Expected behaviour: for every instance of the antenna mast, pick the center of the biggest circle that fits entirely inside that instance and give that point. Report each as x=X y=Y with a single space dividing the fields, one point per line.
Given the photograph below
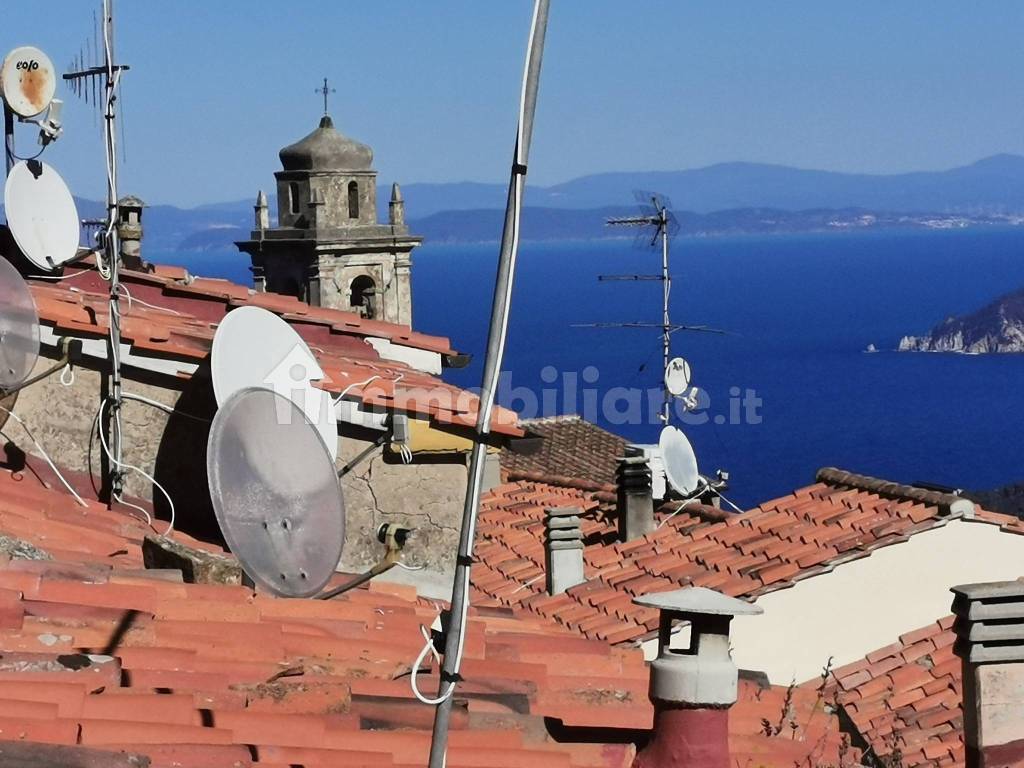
x=455 y=629
x=80 y=81
x=661 y=219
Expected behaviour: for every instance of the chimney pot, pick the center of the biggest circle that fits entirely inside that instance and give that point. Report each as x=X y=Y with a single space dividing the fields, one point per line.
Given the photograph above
x=692 y=689
x=563 y=549
x=635 y=502
x=989 y=629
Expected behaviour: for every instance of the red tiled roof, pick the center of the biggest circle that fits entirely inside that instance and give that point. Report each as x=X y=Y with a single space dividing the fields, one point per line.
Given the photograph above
x=746 y=555
x=906 y=698
x=571 y=447
x=100 y=653
x=167 y=316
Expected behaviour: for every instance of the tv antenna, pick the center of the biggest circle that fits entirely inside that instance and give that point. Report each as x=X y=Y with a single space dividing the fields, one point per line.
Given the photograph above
x=98 y=74
x=655 y=220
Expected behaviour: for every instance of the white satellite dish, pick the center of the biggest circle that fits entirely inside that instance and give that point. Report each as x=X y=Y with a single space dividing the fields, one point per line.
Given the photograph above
x=255 y=348
x=677 y=376
x=680 y=461
x=275 y=492
x=27 y=81
x=19 y=328
x=41 y=214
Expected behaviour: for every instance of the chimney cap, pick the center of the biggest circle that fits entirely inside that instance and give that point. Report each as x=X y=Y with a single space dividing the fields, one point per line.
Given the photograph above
x=698 y=600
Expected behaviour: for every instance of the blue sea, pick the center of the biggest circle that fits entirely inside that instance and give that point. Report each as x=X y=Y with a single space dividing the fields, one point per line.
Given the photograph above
x=789 y=389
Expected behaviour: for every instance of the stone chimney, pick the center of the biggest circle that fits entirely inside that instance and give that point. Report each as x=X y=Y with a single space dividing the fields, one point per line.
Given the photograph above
x=563 y=549
x=129 y=231
x=262 y=212
x=990 y=643
x=396 y=208
x=692 y=689
x=635 y=505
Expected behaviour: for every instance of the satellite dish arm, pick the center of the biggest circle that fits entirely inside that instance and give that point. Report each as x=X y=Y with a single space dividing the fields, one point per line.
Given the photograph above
x=393 y=538
x=71 y=352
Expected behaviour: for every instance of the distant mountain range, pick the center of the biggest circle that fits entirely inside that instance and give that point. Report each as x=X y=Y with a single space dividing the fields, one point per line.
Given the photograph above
x=992 y=185
x=720 y=199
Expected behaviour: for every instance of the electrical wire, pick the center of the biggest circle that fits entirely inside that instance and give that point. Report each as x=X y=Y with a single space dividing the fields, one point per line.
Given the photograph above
x=428 y=647
x=46 y=456
x=132 y=300
x=122 y=465
x=405 y=567
x=370 y=380
x=737 y=509
x=675 y=512
x=163 y=407
x=61 y=277
x=149 y=517
x=352 y=386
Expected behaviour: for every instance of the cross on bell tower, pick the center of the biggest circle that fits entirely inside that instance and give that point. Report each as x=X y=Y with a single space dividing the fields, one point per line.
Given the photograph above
x=324 y=91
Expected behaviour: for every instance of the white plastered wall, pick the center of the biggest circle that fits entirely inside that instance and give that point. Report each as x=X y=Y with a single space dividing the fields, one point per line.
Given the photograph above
x=866 y=604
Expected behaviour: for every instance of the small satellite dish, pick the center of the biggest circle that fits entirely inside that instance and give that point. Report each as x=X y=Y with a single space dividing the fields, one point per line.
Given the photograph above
x=677 y=376
x=19 y=328
x=275 y=491
x=680 y=461
x=255 y=348
x=27 y=81
x=41 y=214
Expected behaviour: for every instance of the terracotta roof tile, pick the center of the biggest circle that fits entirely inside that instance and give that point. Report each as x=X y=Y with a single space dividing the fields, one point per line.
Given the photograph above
x=208 y=676
x=810 y=531
x=907 y=697
x=174 y=317
x=570 y=447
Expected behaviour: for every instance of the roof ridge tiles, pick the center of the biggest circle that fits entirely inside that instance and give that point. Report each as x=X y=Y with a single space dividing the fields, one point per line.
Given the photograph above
x=948 y=504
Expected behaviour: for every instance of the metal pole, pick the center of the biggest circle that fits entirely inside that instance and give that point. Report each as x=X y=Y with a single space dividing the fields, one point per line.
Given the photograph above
x=9 y=137
x=666 y=329
x=112 y=257
x=492 y=367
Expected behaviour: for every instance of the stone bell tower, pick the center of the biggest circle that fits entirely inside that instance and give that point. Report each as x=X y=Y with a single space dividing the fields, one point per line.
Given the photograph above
x=328 y=248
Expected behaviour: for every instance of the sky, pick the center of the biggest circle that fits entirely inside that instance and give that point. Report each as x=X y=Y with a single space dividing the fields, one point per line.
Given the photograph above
x=217 y=88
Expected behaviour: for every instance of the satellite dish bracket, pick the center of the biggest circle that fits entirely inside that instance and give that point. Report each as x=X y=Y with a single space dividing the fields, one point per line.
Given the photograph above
x=393 y=538
x=50 y=127
x=71 y=353
x=355 y=462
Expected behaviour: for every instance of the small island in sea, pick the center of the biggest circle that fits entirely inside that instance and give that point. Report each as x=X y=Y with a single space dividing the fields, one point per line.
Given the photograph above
x=997 y=327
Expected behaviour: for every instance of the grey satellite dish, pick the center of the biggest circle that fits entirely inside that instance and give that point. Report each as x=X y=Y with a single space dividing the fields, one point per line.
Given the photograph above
x=680 y=461
x=41 y=214
x=677 y=376
x=19 y=328
x=27 y=81
x=275 y=491
x=255 y=348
